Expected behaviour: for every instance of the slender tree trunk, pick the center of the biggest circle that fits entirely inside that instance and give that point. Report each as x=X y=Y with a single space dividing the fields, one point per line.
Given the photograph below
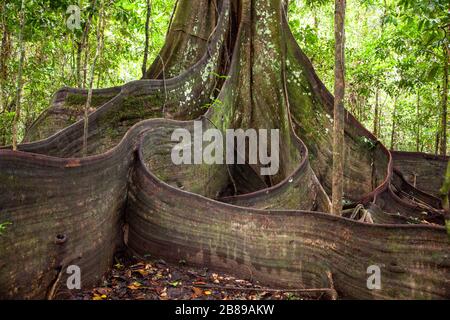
x=418 y=122
x=78 y=71
x=316 y=21
x=19 y=76
x=286 y=8
x=444 y=119
x=377 y=122
x=376 y=116
x=147 y=37
x=394 y=125
x=438 y=139
x=100 y=26
x=74 y=70
x=4 y=56
x=316 y=25
x=380 y=117
x=5 y=52
x=339 y=120
x=63 y=66
x=379 y=126
x=82 y=44
x=85 y=61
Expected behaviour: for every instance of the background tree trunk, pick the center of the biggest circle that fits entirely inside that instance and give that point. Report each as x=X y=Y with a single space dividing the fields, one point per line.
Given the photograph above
x=418 y=122
x=339 y=121
x=19 y=76
x=376 y=116
x=444 y=119
x=147 y=37
x=446 y=189
x=85 y=61
x=82 y=44
x=100 y=26
x=394 y=125
x=3 y=55
x=436 y=143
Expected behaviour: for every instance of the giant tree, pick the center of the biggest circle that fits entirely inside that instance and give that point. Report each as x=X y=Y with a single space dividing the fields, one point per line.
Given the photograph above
x=226 y=65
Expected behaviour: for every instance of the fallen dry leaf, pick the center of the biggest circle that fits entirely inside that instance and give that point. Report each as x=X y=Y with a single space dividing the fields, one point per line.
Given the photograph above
x=163 y=294
x=197 y=292
x=134 y=286
x=142 y=272
x=99 y=297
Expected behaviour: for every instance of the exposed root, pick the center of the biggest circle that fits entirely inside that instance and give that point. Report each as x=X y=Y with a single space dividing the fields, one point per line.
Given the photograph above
x=53 y=288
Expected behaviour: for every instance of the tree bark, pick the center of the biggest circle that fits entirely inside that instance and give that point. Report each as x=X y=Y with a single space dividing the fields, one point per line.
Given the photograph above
x=4 y=53
x=85 y=61
x=418 y=122
x=82 y=44
x=19 y=76
x=339 y=121
x=443 y=148
x=100 y=26
x=394 y=125
x=437 y=140
x=376 y=116
x=147 y=37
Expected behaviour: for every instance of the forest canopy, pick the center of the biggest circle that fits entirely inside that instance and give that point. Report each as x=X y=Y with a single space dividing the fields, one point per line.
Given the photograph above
x=397 y=53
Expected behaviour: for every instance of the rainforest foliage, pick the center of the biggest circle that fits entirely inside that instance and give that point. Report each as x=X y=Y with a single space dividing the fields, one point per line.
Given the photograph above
x=396 y=58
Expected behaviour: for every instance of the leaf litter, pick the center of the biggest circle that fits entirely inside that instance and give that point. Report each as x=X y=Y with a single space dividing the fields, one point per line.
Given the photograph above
x=134 y=279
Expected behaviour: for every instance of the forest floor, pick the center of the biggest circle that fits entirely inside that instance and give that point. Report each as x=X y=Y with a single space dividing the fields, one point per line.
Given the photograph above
x=131 y=279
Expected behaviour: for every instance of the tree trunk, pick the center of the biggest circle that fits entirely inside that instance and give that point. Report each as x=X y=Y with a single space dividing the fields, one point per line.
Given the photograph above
x=444 y=117
x=85 y=68
x=19 y=76
x=82 y=44
x=147 y=37
x=339 y=120
x=394 y=125
x=418 y=123
x=376 y=116
x=4 y=54
x=437 y=139
x=100 y=27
